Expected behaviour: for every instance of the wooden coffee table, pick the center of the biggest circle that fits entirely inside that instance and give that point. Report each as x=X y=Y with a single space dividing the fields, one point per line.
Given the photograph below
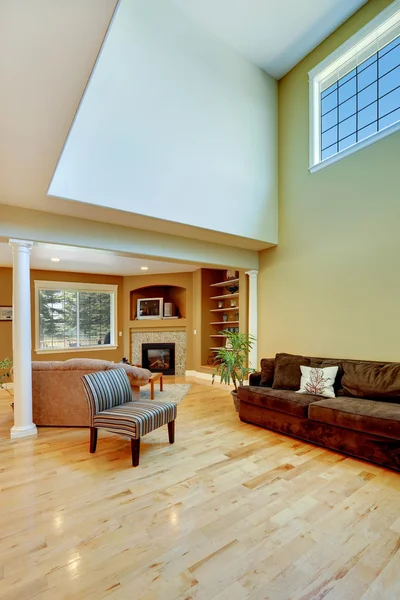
x=155 y=377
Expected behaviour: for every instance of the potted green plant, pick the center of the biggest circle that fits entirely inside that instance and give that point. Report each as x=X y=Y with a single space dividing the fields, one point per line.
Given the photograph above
x=5 y=373
x=231 y=361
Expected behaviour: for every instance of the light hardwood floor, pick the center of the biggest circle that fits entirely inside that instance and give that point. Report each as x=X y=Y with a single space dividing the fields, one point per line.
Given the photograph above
x=230 y=512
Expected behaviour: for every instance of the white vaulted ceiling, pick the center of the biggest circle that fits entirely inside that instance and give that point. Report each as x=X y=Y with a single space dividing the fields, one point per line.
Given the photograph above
x=273 y=34
x=50 y=47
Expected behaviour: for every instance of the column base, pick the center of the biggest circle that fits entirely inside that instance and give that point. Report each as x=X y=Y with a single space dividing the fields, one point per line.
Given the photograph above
x=25 y=431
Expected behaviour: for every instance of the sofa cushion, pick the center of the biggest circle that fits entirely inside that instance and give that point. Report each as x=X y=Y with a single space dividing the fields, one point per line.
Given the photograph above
x=368 y=416
x=322 y=363
x=371 y=380
x=267 y=371
x=287 y=372
x=135 y=419
x=284 y=401
x=46 y=365
x=318 y=382
x=137 y=375
x=83 y=364
x=255 y=378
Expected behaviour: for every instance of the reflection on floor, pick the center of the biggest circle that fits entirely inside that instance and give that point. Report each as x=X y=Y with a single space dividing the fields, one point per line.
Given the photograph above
x=231 y=511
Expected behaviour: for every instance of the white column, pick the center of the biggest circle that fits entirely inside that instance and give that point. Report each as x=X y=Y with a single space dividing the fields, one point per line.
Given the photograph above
x=253 y=316
x=22 y=346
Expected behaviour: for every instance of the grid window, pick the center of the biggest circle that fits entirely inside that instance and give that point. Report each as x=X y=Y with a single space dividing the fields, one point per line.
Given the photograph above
x=390 y=59
x=348 y=108
x=329 y=102
x=390 y=118
x=365 y=132
x=347 y=90
x=367 y=115
x=367 y=96
x=329 y=120
x=329 y=151
x=361 y=103
x=367 y=75
x=347 y=141
x=70 y=316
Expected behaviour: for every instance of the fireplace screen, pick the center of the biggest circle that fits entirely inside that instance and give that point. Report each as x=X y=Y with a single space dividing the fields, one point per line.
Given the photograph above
x=159 y=358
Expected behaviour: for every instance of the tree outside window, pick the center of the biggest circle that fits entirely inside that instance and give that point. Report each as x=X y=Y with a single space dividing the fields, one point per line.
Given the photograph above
x=71 y=318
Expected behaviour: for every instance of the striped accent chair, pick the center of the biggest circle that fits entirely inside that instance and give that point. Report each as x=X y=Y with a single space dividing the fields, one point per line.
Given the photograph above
x=109 y=396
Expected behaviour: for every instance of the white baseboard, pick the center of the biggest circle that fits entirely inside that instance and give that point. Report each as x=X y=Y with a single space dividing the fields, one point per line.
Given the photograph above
x=190 y=373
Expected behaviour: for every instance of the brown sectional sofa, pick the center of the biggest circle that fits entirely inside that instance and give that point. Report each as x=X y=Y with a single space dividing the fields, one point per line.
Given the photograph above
x=362 y=421
x=58 y=396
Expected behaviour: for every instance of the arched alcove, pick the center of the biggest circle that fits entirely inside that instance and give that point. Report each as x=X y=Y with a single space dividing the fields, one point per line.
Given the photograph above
x=169 y=293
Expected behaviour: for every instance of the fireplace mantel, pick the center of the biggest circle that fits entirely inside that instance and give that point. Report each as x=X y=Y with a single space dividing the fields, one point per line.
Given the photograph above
x=158 y=324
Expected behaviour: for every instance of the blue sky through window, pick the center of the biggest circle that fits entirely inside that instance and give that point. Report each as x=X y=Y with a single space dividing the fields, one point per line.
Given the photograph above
x=362 y=102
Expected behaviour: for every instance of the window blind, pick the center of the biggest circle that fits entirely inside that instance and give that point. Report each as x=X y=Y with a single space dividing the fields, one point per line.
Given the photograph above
x=355 y=57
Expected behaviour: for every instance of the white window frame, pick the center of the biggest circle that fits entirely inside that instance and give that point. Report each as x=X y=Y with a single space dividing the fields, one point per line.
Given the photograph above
x=78 y=287
x=386 y=20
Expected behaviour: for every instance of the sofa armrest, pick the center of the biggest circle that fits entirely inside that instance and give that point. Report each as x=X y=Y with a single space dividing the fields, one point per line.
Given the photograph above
x=255 y=378
x=266 y=374
x=137 y=375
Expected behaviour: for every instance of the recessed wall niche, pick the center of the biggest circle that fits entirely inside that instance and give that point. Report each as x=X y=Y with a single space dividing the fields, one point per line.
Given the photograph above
x=169 y=293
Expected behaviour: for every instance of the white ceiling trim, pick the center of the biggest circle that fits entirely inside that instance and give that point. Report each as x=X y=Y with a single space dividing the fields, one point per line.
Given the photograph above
x=86 y=260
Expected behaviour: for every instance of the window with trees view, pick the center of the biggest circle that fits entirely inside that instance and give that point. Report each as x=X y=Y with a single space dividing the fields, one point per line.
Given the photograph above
x=72 y=315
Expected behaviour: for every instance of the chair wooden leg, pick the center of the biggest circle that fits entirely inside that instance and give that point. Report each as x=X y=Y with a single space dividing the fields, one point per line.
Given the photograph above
x=135 y=447
x=93 y=439
x=171 y=431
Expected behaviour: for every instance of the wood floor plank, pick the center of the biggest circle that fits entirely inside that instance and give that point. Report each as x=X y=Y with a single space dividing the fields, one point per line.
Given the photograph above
x=231 y=511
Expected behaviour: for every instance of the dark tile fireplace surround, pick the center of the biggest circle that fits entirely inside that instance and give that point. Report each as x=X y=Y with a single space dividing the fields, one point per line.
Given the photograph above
x=159 y=358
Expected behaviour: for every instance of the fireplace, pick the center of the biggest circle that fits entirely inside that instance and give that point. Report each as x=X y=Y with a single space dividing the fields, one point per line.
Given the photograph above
x=177 y=336
x=159 y=358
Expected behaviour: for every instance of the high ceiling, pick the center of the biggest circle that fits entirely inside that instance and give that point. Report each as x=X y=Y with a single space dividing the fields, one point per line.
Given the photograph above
x=84 y=260
x=50 y=47
x=273 y=34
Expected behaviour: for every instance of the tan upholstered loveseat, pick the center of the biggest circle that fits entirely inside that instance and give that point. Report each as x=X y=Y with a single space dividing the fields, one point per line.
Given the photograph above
x=58 y=395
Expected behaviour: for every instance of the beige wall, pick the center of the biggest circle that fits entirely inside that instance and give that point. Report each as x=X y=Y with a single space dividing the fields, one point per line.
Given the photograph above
x=50 y=228
x=196 y=296
x=6 y=298
x=332 y=286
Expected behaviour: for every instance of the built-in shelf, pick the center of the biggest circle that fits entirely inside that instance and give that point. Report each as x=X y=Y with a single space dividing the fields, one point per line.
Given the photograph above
x=225 y=296
x=225 y=283
x=223 y=322
x=174 y=294
x=216 y=330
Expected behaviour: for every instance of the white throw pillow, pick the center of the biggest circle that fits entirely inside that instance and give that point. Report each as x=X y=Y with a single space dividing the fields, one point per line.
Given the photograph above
x=318 y=382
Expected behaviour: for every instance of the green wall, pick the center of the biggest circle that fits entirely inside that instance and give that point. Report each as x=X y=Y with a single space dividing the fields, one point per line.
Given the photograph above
x=332 y=286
